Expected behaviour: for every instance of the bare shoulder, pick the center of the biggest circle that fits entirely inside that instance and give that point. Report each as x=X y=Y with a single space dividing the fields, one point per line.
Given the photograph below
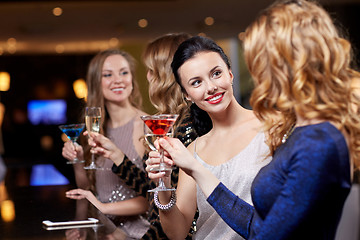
x=191 y=146
x=137 y=119
x=252 y=121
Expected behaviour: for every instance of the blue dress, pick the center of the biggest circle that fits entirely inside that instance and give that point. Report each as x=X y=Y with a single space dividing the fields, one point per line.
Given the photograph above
x=299 y=194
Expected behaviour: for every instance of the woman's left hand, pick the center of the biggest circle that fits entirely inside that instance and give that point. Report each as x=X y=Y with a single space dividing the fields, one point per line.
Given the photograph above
x=78 y=194
x=179 y=154
x=103 y=146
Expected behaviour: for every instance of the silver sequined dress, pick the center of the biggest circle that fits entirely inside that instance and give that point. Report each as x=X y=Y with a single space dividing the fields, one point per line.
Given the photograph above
x=237 y=174
x=110 y=188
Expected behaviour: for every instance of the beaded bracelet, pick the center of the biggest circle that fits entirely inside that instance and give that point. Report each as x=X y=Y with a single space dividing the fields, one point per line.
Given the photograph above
x=168 y=206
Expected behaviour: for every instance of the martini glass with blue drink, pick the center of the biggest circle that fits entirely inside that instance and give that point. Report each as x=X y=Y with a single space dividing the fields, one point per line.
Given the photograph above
x=72 y=131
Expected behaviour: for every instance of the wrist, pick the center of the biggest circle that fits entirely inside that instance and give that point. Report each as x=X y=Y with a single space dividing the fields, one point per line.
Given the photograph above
x=165 y=207
x=118 y=158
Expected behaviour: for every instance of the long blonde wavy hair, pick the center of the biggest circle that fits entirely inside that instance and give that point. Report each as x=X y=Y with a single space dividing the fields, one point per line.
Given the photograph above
x=164 y=93
x=301 y=65
x=96 y=98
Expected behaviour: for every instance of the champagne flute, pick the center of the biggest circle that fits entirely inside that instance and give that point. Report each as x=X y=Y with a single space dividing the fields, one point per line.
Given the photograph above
x=93 y=121
x=72 y=131
x=159 y=126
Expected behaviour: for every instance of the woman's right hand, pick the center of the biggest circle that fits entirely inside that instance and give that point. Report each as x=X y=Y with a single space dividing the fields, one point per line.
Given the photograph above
x=71 y=151
x=103 y=146
x=153 y=162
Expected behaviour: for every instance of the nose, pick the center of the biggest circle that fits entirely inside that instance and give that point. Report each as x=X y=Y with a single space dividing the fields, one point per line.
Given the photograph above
x=211 y=87
x=117 y=78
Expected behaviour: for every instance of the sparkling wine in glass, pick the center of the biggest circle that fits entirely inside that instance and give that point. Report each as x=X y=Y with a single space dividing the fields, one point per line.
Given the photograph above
x=93 y=122
x=159 y=125
x=72 y=131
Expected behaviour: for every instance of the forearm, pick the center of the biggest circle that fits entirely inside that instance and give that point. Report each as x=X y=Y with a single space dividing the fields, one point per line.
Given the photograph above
x=226 y=203
x=134 y=177
x=205 y=179
x=178 y=215
x=117 y=157
x=174 y=231
x=81 y=178
x=130 y=207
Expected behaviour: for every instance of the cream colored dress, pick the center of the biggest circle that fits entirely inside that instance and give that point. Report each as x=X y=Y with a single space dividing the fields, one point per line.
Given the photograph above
x=237 y=174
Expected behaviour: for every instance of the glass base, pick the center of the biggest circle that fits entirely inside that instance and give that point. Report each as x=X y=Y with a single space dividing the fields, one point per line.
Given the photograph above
x=92 y=166
x=75 y=161
x=161 y=189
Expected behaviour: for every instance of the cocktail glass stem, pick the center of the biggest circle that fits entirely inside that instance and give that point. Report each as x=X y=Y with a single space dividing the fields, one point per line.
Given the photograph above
x=75 y=160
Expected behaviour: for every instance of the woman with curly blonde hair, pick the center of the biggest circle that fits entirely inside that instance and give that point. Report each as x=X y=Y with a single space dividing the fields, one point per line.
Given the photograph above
x=305 y=96
x=164 y=94
x=302 y=72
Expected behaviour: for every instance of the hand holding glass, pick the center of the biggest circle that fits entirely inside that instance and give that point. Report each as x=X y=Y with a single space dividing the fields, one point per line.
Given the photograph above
x=92 y=121
x=159 y=126
x=73 y=131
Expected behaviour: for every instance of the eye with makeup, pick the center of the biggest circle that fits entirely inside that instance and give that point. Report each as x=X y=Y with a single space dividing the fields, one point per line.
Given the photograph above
x=123 y=73
x=216 y=73
x=107 y=75
x=195 y=83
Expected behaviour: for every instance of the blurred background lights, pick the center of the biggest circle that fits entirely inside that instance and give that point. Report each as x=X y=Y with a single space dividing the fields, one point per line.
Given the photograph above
x=59 y=48
x=4 y=81
x=11 y=41
x=57 y=11
x=7 y=211
x=80 y=88
x=113 y=42
x=209 y=21
x=143 y=23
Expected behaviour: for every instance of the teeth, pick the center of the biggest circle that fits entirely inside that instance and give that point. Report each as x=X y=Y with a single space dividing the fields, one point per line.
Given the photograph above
x=118 y=89
x=215 y=98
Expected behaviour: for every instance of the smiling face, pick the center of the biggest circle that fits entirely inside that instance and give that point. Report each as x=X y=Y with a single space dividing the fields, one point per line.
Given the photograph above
x=207 y=81
x=116 y=79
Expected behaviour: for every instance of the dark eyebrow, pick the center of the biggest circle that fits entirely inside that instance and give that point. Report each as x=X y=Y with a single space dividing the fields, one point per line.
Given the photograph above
x=214 y=68
x=211 y=70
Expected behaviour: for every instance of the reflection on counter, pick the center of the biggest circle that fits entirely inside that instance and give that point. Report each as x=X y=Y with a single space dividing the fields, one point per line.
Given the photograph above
x=23 y=210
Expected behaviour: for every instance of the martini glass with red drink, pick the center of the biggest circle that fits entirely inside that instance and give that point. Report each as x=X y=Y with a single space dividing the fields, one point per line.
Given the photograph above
x=160 y=126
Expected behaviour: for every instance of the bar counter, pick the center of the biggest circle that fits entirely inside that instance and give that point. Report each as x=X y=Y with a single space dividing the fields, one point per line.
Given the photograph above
x=34 y=204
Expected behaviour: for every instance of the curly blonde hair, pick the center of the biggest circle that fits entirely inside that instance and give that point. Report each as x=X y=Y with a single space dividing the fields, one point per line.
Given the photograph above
x=164 y=93
x=300 y=65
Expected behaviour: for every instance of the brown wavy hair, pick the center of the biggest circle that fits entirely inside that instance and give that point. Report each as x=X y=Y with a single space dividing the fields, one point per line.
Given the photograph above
x=300 y=64
x=95 y=96
x=164 y=93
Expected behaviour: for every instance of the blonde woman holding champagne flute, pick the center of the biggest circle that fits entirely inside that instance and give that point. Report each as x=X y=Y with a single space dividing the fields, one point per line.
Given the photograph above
x=113 y=88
